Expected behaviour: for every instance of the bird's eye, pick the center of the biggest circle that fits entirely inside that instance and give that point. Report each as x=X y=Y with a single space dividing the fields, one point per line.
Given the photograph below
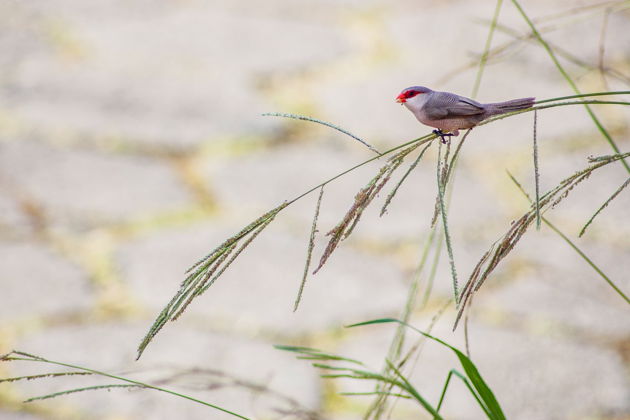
x=411 y=93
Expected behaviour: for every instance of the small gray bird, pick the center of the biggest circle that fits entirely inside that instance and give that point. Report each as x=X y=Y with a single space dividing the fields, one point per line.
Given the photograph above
x=450 y=113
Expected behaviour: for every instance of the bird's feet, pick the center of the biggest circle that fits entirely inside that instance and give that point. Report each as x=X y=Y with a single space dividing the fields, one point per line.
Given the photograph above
x=443 y=135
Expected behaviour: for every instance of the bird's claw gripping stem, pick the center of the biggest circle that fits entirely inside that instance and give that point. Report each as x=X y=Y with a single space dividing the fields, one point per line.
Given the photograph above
x=443 y=135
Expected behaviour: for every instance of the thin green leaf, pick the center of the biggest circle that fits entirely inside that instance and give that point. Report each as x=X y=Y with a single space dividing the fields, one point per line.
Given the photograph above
x=353 y=373
x=518 y=37
x=453 y=161
x=444 y=388
x=502 y=247
x=588 y=261
x=396 y=345
x=574 y=246
x=485 y=393
x=584 y=95
x=329 y=367
x=387 y=394
x=486 y=50
x=351 y=376
x=551 y=105
x=413 y=392
x=33 y=358
x=470 y=388
x=314 y=353
x=394 y=190
x=603 y=206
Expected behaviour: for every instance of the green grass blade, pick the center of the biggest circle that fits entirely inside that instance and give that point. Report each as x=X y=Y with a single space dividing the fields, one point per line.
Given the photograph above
x=397 y=342
x=33 y=358
x=387 y=394
x=353 y=373
x=603 y=206
x=315 y=354
x=454 y=159
x=570 y=81
x=588 y=260
x=413 y=392
x=484 y=391
x=470 y=388
x=494 y=410
x=394 y=190
x=573 y=245
x=486 y=49
x=329 y=367
x=444 y=388
x=551 y=105
x=75 y=390
x=584 y=95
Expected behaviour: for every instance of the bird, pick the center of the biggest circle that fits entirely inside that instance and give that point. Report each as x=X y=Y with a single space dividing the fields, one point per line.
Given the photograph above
x=449 y=112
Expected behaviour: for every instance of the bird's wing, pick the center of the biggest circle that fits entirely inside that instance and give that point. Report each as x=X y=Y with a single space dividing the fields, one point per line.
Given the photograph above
x=448 y=105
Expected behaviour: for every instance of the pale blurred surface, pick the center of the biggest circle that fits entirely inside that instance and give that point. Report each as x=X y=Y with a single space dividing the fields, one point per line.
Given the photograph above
x=131 y=144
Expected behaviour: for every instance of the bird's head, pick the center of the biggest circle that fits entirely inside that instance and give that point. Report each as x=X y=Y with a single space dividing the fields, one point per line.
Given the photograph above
x=411 y=92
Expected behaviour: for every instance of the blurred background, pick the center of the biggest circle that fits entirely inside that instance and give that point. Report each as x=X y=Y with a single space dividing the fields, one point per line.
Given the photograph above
x=132 y=144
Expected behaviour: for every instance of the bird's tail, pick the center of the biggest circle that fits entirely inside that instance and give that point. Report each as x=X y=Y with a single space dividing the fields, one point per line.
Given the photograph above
x=510 y=106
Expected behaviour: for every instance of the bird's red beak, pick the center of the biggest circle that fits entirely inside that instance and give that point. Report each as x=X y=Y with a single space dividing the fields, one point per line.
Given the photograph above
x=401 y=99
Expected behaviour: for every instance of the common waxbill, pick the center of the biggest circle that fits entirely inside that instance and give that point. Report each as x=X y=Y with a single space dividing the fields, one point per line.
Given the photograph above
x=450 y=113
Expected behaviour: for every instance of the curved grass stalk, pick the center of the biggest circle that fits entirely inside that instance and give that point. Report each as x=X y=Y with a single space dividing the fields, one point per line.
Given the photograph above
x=574 y=246
x=588 y=261
x=393 y=353
x=83 y=389
x=518 y=38
x=552 y=105
x=202 y=274
x=570 y=81
x=327 y=124
x=584 y=95
x=486 y=50
x=377 y=407
x=360 y=373
x=429 y=137
x=22 y=356
x=502 y=247
x=603 y=206
x=394 y=190
x=487 y=400
x=468 y=385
